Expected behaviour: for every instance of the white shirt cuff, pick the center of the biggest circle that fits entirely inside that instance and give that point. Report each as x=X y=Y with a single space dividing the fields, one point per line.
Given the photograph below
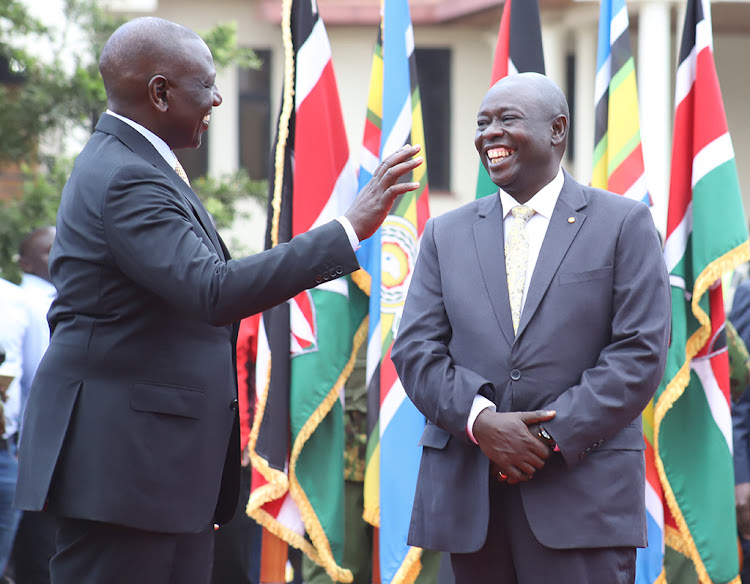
x=350 y=233
x=480 y=404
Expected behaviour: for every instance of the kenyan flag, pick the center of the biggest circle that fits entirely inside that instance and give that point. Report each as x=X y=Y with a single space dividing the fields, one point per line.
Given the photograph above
x=706 y=237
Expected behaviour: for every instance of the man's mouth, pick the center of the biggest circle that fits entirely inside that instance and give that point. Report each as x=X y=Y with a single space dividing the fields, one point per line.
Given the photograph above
x=498 y=154
x=207 y=118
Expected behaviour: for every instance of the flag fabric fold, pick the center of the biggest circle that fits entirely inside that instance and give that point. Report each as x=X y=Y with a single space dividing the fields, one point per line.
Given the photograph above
x=706 y=238
x=618 y=157
x=394 y=118
x=518 y=50
x=307 y=346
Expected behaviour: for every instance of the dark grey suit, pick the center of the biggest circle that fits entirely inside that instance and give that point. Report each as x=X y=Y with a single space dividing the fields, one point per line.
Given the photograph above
x=132 y=416
x=591 y=345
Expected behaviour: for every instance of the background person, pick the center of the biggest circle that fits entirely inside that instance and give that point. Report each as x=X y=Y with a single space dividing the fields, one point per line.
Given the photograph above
x=34 y=545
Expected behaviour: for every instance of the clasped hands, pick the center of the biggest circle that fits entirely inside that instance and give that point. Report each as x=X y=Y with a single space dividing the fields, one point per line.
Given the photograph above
x=510 y=441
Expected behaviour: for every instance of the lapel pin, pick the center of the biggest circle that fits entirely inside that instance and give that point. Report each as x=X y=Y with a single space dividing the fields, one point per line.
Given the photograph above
x=571 y=219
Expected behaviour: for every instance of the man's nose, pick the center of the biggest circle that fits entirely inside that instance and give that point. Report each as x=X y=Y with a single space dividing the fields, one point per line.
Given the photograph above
x=495 y=127
x=217 y=97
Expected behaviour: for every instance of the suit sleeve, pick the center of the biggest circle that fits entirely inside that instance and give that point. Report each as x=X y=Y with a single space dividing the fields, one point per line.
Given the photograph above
x=615 y=391
x=153 y=242
x=440 y=389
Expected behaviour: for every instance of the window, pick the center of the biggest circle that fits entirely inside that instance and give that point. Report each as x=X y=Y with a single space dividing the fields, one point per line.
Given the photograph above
x=434 y=71
x=255 y=116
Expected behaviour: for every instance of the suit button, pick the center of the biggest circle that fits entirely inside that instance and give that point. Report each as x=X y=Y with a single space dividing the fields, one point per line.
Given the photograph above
x=234 y=405
x=515 y=374
x=318 y=279
x=339 y=270
x=333 y=272
x=326 y=277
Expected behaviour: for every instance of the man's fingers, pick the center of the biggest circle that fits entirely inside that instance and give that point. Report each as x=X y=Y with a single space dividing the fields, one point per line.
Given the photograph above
x=399 y=157
x=537 y=416
x=398 y=164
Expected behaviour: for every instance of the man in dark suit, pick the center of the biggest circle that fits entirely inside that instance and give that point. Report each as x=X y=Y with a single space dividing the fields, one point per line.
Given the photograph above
x=533 y=375
x=131 y=436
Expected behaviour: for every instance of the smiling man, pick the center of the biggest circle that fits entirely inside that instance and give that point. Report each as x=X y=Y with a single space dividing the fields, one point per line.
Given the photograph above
x=534 y=334
x=131 y=432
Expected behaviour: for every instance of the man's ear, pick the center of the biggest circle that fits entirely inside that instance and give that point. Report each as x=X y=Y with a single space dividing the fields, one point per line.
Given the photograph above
x=157 y=92
x=559 y=130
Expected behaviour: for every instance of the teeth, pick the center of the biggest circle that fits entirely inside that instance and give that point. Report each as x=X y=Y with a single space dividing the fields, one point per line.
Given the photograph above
x=498 y=153
x=207 y=118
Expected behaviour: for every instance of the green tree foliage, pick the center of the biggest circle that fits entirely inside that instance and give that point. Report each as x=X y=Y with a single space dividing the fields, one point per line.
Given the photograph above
x=50 y=97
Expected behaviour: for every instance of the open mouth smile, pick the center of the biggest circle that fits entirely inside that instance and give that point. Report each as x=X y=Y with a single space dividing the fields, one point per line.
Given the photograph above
x=496 y=155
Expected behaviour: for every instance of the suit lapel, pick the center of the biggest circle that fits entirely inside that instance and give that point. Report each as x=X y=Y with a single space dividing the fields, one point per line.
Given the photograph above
x=560 y=234
x=141 y=146
x=488 y=236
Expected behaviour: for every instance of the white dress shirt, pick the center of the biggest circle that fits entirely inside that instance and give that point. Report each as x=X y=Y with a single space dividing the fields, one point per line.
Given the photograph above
x=171 y=158
x=543 y=204
x=14 y=328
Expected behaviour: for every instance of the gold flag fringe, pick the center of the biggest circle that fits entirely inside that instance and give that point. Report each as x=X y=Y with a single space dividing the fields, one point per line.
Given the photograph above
x=372 y=516
x=286 y=114
x=363 y=280
x=324 y=555
x=676 y=387
x=277 y=480
x=410 y=567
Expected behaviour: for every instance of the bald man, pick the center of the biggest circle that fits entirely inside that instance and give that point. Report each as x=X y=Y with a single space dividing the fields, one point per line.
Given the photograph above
x=533 y=335
x=131 y=432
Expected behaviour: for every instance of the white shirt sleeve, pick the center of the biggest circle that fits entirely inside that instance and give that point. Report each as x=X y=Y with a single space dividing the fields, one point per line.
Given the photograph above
x=351 y=234
x=480 y=403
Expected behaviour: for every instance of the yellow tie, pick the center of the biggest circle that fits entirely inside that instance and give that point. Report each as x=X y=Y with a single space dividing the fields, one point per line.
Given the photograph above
x=181 y=173
x=516 y=256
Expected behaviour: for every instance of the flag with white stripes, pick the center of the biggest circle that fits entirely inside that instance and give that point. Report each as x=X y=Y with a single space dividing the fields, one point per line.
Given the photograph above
x=618 y=168
x=706 y=237
x=518 y=50
x=307 y=346
x=618 y=156
x=394 y=118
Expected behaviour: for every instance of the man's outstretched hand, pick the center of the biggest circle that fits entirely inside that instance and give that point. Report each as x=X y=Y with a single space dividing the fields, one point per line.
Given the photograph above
x=505 y=439
x=374 y=202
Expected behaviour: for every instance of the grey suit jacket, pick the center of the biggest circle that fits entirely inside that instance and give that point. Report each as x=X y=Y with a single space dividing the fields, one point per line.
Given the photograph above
x=591 y=345
x=132 y=415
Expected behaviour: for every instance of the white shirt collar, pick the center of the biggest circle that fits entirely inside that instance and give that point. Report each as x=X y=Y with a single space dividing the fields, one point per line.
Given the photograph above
x=38 y=285
x=156 y=142
x=543 y=202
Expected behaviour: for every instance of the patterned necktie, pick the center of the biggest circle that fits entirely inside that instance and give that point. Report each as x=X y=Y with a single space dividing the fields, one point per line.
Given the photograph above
x=516 y=255
x=181 y=173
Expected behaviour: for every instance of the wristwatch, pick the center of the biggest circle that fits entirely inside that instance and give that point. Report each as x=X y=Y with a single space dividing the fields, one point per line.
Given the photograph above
x=546 y=438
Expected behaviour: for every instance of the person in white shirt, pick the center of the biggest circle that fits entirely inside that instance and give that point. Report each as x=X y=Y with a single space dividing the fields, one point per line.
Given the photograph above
x=35 y=538
x=39 y=292
x=14 y=326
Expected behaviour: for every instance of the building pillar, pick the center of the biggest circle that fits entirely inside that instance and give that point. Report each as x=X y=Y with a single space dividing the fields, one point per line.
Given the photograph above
x=583 y=114
x=655 y=77
x=555 y=44
x=223 y=136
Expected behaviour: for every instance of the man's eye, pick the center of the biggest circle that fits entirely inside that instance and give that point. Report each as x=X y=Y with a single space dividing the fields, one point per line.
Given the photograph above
x=508 y=119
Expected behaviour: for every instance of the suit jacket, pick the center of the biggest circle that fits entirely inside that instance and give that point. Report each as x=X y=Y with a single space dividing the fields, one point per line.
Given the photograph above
x=740 y=317
x=591 y=345
x=132 y=417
